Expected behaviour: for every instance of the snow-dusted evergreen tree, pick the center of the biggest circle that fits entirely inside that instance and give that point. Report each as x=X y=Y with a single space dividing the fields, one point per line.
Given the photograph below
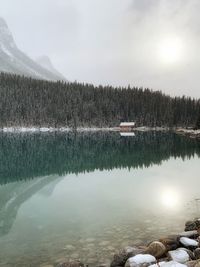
x=29 y=102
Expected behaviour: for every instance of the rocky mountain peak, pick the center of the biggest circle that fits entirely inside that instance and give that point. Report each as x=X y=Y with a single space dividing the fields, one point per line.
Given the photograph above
x=6 y=37
x=13 y=60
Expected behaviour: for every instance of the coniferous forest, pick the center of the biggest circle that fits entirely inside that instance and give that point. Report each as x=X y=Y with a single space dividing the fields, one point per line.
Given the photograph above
x=29 y=102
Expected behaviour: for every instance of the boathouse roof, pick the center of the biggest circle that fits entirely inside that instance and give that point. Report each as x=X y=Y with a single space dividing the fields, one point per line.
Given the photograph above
x=127 y=124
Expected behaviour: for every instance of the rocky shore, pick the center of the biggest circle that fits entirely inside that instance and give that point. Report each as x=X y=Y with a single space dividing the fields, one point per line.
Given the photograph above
x=181 y=250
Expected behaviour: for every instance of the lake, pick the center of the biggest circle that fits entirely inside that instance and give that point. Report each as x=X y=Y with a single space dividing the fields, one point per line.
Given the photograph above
x=86 y=195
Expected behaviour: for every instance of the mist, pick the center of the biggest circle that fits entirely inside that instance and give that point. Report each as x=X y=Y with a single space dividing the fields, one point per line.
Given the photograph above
x=111 y=41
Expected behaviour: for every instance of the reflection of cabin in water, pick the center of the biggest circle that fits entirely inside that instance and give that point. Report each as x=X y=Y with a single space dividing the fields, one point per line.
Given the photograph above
x=127 y=126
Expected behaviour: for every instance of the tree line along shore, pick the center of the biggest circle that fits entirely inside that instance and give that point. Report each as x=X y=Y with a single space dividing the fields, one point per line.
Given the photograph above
x=29 y=102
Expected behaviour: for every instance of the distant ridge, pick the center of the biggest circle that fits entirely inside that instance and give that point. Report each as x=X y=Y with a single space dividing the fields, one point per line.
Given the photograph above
x=45 y=62
x=13 y=60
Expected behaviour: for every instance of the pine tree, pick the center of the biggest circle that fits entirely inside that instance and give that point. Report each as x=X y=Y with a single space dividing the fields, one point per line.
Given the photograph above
x=30 y=102
x=197 y=126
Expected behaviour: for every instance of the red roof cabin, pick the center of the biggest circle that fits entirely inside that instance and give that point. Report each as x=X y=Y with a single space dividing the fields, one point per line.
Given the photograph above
x=127 y=126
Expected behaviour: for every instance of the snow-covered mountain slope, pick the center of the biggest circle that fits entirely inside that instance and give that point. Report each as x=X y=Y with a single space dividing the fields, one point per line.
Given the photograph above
x=45 y=62
x=13 y=60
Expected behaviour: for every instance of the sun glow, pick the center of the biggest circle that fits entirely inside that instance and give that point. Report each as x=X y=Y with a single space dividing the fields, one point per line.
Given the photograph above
x=170 y=50
x=170 y=198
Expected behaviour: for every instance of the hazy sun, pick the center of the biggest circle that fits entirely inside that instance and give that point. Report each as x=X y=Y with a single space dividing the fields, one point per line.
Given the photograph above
x=170 y=50
x=170 y=198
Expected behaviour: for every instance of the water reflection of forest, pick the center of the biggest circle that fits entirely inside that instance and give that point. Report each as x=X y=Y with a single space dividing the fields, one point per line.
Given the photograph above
x=25 y=156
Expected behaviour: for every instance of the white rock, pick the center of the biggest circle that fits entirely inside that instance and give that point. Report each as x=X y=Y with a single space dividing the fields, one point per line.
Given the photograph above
x=188 y=242
x=161 y=263
x=179 y=255
x=169 y=264
x=188 y=233
x=140 y=259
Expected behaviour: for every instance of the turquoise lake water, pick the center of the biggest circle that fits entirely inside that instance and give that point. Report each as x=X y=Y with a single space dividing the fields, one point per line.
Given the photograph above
x=85 y=196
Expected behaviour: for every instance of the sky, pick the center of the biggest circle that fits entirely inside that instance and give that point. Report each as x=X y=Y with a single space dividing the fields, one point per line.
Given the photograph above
x=145 y=43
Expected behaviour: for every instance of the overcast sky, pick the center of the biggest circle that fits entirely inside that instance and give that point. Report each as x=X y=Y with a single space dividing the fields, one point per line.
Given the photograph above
x=149 y=43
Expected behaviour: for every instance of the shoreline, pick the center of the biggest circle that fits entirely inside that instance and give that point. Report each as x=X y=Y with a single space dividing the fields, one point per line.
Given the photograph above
x=195 y=134
x=179 y=250
x=78 y=129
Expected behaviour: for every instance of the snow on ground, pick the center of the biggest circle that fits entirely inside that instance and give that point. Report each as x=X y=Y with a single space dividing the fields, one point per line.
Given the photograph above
x=179 y=255
x=90 y=129
x=50 y=129
x=141 y=258
x=188 y=131
x=6 y=51
x=188 y=242
x=169 y=264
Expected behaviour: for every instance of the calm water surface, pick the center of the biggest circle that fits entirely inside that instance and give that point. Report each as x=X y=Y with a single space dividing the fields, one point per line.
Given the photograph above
x=84 y=196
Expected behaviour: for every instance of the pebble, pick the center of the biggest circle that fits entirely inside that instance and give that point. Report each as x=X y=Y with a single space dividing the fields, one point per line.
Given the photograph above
x=193 y=233
x=169 y=264
x=138 y=242
x=90 y=245
x=69 y=247
x=170 y=243
x=179 y=255
x=121 y=257
x=111 y=248
x=91 y=260
x=70 y=264
x=188 y=242
x=104 y=243
x=190 y=226
x=197 y=253
x=75 y=256
x=157 y=249
x=195 y=263
x=139 y=260
x=191 y=263
x=89 y=240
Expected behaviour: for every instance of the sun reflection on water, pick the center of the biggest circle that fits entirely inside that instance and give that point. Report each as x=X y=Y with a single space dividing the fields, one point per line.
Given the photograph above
x=170 y=198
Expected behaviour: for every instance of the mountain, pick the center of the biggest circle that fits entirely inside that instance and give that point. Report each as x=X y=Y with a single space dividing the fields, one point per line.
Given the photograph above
x=45 y=62
x=13 y=60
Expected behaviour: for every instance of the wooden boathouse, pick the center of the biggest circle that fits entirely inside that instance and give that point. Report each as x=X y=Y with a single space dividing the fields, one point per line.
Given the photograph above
x=127 y=126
